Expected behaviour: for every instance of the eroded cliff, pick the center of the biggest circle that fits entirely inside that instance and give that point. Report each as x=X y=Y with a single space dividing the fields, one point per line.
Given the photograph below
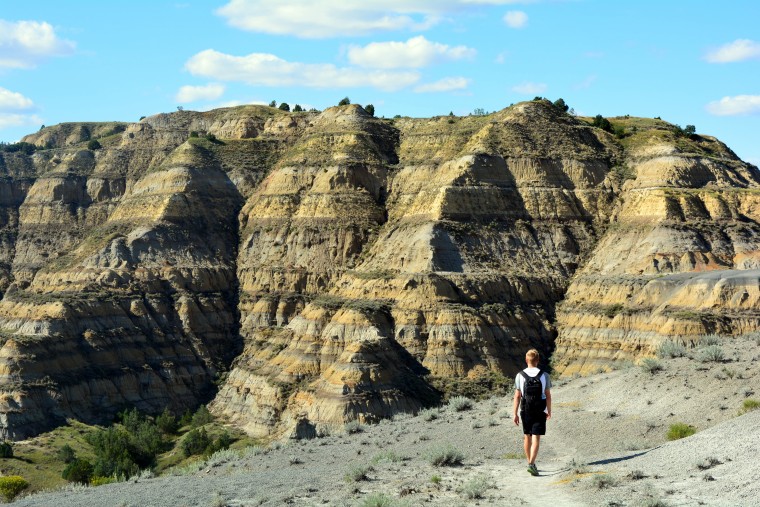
x=307 y=269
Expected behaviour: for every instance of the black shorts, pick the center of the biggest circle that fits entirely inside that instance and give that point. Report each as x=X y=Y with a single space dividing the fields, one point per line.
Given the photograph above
x=533 y=423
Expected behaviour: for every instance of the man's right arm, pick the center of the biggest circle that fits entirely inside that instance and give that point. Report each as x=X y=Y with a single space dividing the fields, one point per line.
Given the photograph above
x=516 y=406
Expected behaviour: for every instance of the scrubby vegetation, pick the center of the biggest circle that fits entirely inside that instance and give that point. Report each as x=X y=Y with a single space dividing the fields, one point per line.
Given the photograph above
x=446 y=455
x=11 y=486
x=671 y=349
x=651 y=365
x=680 y=430
x=749 y=405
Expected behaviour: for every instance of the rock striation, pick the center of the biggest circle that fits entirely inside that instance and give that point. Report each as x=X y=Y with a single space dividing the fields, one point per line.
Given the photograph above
x=301 y=270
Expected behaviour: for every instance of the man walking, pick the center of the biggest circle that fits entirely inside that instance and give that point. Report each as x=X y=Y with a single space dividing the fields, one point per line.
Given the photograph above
x=533 y=397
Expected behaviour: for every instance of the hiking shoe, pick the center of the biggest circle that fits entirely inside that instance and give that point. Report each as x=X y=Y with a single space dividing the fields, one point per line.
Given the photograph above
x=532 y=470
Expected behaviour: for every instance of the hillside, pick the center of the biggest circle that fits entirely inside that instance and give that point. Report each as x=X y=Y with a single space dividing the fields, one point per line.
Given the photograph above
x=302 y=270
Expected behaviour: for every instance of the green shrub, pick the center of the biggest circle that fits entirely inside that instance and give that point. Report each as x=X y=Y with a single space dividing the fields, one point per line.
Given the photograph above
x=124 y=451
x=358 y=473
x=602 y=123
x=671 y=349
x=100 y=481
x=221 y=443
x=6 y=449
x=430 y=414
x=370 y=109
x=79 y=470
x=193 y=134
x=186 y=419
x=93 y=145
x=436 y=479
x=297 y=108
x=114 y=454
x=344 y=101
x=284 y=107
x=166 y=422
x=377 y=500
x=711 y=353
x=749 y=405
x=195 y=442
x=710 y=339
x=445 y=456
x=353 y=427
x=213 y=139
x=650 y=365
x=66 y=454
x=11 y=486
x=680 y=430
x=201 y=416
x=387 y=456
x=476 y=487
x=561 y=105
x=460 y=403
x=603 y=481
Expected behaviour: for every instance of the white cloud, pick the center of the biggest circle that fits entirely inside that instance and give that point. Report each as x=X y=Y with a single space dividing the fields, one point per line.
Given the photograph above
x=211 y=91
x=414 y=53
x=13 y=101
x=735 y=106
x=262 y=69
x=586 y=83
x=740 y=49
x=18 y=120
x=446 y=84
x=23 y=44
x=516 y=19
x=528 y=88
x=337 y=18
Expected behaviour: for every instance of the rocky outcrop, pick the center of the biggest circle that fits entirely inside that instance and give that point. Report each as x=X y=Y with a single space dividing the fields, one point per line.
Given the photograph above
x=308 y=269
x=679 y=258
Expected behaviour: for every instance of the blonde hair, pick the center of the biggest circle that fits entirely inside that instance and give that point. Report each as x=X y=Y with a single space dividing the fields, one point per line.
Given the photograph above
x=532 y=356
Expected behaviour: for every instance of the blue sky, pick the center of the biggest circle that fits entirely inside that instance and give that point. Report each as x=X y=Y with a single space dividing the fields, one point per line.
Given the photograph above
x=689 y=62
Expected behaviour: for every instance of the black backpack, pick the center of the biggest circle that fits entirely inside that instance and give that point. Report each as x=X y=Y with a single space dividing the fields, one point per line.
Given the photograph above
x=532 y=393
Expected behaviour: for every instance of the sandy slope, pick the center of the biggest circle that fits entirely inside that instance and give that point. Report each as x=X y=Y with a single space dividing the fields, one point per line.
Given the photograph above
x=608 y=425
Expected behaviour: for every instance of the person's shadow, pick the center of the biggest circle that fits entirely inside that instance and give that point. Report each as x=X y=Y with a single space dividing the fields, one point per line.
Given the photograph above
x=622 y=458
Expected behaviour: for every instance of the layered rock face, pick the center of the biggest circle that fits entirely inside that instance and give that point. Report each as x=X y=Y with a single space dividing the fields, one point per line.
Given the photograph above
x=327 y=267
x=679 y=259
x=376 y=264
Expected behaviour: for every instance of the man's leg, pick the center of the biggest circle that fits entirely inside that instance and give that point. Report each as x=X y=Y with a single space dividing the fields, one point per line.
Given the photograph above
x=532 y=448
x=526 y=447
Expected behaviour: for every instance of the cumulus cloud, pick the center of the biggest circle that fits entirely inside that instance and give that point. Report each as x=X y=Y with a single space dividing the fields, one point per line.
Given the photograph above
x=13 y=101
x=338 y=18
x=23 y=44
x=211 y=91
x=263 y=69
x=740 y=49
x=8 y=120
x=516 y=19
x=446 y=84
x=735 y=106
x=414 y=53
x=528 y=88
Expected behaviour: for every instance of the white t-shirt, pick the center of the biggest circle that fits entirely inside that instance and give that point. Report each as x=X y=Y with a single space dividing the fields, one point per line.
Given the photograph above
x=546 y=382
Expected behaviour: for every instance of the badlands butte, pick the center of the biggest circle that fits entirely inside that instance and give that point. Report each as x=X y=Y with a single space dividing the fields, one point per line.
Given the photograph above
x=300 y=270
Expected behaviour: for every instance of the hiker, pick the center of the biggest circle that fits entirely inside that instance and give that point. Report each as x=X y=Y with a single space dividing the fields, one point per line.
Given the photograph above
x=534 y=398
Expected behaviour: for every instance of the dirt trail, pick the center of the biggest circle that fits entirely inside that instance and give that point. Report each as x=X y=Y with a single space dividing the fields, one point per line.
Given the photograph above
x=546 y=489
